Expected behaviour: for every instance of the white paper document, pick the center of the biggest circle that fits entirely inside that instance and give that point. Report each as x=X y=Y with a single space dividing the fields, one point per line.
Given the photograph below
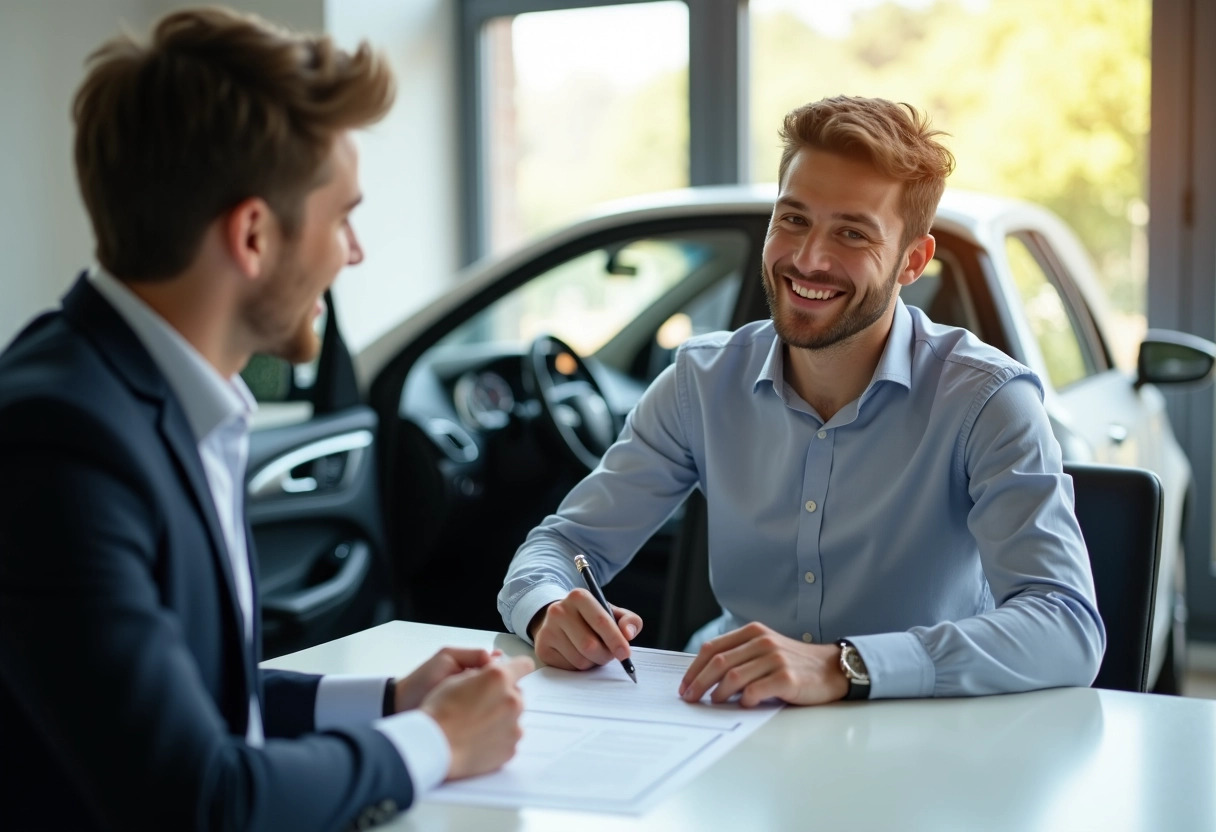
x=595 y=741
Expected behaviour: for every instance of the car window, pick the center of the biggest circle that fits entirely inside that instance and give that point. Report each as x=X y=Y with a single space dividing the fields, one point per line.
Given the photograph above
x=1051 y=320
x=590 y=299
x=709 y=311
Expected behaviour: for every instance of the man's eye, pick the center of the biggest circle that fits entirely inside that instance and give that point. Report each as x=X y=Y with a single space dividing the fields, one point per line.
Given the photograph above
x=853 y=235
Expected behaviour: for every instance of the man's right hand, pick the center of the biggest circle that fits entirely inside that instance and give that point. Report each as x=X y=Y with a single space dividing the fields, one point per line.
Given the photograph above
x=478 y=711
x=576 y=633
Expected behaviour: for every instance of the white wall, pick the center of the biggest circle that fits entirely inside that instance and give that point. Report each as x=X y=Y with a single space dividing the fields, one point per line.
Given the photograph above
x=408 y=165
x=44 y=234
x=408 y=221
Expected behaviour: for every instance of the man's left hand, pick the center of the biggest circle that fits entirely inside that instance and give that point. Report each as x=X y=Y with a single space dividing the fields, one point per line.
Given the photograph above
x=759 y=663
x=449 y=661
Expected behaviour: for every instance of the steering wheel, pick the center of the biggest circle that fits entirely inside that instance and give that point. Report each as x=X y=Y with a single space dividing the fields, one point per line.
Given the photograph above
x=572 y=403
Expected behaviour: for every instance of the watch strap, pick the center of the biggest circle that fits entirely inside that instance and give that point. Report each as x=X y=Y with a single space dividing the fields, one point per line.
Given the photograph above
x=859 y=686
x=389 y=706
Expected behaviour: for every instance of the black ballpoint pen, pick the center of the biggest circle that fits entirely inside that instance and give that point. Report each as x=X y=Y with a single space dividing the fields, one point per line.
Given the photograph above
x=584 y=569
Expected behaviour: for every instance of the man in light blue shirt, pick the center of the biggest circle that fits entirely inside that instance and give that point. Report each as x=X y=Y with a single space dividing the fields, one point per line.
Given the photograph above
x=888 y=515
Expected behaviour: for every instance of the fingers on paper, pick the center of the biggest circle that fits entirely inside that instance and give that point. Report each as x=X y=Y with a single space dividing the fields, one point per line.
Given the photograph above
x=709 y=651
x=746 y=662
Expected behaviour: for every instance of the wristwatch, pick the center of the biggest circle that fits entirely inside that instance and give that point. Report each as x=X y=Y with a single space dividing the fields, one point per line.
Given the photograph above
x=854 y=670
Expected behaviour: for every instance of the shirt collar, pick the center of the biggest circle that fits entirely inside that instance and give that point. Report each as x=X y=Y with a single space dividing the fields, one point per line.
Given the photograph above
x=896 y=361
x=895 y=364
x=208 y=399
x=773 y=369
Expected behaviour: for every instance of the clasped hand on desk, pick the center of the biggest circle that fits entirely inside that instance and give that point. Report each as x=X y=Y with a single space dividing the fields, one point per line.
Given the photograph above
x=754 y=661
x=475 y=701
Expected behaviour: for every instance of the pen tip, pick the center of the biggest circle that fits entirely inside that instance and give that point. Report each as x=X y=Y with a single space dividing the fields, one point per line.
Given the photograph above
x=632 y=676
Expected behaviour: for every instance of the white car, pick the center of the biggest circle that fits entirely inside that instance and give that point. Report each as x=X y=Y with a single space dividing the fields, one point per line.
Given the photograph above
x=493 y=401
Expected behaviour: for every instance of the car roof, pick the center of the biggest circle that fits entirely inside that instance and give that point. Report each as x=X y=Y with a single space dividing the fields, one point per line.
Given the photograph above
x=980 y=219
x=965 y=213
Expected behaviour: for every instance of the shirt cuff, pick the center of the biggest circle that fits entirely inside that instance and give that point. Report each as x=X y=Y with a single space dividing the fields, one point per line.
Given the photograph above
x=346 y=701
x=530 y=604
x=898 y=664
x=422 y=745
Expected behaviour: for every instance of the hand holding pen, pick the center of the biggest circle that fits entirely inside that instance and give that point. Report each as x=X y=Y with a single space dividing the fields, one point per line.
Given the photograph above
x=582 y=631
x=584 y=569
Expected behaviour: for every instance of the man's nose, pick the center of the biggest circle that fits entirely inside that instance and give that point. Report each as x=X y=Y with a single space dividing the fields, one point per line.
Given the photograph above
x=812 y=254
x=355 y=256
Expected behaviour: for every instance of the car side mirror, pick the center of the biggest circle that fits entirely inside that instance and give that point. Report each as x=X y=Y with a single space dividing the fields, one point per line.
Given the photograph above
x=1169 y=357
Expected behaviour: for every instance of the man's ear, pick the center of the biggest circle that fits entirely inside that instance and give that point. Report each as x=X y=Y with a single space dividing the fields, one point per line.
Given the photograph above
x=916 y=258
x=251 y=233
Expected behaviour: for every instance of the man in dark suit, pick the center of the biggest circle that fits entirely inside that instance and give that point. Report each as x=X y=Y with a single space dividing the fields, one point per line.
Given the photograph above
x=219 y=172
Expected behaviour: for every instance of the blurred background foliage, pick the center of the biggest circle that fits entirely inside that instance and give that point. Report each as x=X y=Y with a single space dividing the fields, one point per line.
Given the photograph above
x=1047 y=100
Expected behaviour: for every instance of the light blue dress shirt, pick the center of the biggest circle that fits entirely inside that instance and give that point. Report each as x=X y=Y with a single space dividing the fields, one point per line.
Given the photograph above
x=219 y=411
x=928 y=521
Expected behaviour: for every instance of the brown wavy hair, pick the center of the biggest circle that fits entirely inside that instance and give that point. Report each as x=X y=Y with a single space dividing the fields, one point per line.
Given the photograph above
x=895 y=138
x=216 y=107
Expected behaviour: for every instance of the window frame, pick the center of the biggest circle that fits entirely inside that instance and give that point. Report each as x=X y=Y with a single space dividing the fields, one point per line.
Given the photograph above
x=1093 y=356
x=717 y=105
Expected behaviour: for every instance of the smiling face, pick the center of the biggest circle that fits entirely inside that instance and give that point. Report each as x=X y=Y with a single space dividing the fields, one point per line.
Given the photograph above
x=833 y=258
x=283 y=308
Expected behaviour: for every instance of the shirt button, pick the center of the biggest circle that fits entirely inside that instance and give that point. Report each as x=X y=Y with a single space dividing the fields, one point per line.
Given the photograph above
x=823 y=434
x=808 y=638
x=809 y=577
x=810 y=505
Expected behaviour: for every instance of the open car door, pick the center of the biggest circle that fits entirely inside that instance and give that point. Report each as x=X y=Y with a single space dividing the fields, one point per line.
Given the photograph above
x=313 y=500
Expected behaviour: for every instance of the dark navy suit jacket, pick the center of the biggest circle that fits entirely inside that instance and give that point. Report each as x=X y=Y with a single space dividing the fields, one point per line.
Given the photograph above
x=125 y=677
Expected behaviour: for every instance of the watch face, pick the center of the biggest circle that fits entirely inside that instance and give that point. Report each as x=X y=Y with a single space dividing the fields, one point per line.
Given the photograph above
x=855 y=667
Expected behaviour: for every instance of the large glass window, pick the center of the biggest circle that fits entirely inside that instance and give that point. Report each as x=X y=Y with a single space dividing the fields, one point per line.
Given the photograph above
x=1046 y=100
x=582 y=106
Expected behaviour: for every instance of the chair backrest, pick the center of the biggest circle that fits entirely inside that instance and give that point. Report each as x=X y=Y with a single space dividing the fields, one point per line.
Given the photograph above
x=1119 y=511
x=689 y=600
x=1120 y=514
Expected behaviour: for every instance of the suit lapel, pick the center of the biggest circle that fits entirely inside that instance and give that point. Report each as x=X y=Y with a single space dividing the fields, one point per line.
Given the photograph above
x=90 y=313
x=175 y=431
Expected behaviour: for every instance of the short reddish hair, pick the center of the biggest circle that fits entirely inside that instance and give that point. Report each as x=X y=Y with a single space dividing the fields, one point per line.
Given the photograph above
x=894 y=138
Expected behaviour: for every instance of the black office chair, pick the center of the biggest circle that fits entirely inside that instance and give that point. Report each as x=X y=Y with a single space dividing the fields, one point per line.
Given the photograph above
x=688 y=600
x=1119 y=511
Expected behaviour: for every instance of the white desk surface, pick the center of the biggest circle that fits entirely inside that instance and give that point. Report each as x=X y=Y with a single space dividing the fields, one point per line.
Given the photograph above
x=1069 y=759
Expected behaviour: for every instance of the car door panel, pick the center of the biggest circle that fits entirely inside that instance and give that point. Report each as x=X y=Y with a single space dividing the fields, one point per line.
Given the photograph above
x=1107 y=412
x=314 y=512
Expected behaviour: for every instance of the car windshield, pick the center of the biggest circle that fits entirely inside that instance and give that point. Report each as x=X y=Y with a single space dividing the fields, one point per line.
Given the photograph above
x=590 y=298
